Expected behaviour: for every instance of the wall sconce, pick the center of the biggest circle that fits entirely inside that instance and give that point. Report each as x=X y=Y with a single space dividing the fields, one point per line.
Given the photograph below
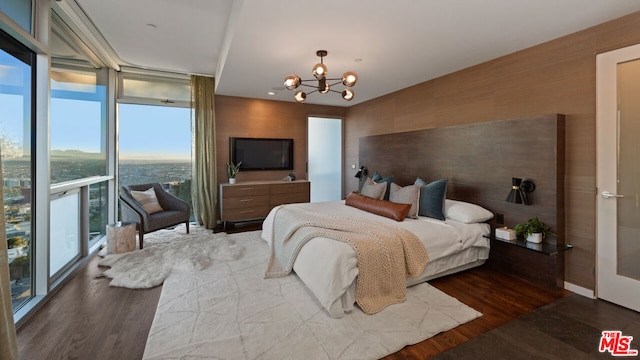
x=519 y=190
x=361 y=172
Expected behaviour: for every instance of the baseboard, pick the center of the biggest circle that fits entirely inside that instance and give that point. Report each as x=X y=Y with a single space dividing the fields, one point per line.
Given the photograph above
x=580 y=290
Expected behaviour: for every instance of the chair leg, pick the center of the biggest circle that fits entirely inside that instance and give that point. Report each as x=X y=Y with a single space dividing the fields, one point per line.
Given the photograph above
x=140 y=236
x=187 y=226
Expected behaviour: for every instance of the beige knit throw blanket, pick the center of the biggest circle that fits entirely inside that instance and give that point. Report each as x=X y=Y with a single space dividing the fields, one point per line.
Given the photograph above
x=386 y=254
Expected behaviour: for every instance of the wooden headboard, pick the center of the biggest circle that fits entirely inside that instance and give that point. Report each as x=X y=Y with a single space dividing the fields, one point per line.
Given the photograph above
x=479 y=161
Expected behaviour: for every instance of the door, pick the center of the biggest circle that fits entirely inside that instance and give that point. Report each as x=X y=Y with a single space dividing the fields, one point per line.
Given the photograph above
x=618 y=179
x=325 y=158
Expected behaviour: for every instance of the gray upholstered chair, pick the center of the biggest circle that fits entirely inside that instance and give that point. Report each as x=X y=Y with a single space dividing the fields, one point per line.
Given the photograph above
x=176 y=211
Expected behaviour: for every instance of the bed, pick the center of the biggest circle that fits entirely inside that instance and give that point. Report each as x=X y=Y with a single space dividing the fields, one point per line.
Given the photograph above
x=329 y=268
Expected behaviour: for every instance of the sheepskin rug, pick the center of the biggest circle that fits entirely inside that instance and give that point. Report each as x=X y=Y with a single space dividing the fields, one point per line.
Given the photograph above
x=168 y=250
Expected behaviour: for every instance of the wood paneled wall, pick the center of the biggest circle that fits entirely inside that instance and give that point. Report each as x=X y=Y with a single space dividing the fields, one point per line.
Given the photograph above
x=479 y=161
x=243 y=117
x=554 y=77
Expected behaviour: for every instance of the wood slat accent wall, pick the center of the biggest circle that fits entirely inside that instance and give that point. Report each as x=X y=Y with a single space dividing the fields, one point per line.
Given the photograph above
x=243 y=117
x=479 y=161
x=557 y=77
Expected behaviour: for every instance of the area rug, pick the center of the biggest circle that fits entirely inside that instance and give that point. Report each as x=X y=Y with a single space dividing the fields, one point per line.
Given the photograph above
x=168 y=250
x=230 y=311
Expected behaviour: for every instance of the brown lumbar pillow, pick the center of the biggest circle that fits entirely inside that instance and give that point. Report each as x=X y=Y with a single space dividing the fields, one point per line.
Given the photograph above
x=384 y=208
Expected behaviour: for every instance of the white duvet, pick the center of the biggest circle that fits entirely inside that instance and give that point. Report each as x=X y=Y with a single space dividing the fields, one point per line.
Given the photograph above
x=329 y=268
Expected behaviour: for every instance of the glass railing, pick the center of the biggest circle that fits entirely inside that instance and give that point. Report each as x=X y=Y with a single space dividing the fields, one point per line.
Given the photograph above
x=64 y=236
x=69 y=241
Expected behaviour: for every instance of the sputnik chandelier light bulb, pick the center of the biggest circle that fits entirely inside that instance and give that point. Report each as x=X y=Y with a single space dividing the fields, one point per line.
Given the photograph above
x=321 y=83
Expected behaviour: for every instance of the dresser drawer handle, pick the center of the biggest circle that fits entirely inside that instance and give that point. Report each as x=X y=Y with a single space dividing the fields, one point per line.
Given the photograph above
x=250 y=188
x=245 y=200
x=246 y=211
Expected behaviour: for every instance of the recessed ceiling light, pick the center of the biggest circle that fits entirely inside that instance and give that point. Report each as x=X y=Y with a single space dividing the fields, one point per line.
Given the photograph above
x=271 y=93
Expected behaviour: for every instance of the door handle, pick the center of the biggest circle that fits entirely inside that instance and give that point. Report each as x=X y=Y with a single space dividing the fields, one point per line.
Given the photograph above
x=608 y=195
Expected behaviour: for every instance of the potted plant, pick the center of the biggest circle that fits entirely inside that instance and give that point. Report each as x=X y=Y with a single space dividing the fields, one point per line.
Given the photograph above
x=232 y=171
x=534 y=230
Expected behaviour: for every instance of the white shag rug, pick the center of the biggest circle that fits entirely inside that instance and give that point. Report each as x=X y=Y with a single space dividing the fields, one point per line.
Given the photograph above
x=168 y=250
x=229 y=311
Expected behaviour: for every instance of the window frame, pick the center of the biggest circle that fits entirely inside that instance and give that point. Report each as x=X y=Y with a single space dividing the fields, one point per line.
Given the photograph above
x=149 y=75
x=25 y=55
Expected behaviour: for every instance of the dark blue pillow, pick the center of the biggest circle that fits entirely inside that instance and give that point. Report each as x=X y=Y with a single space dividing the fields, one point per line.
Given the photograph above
x=432 y=197
x=379 y=179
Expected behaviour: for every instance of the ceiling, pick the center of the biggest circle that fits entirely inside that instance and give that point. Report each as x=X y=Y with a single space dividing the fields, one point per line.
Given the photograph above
x=251 y=45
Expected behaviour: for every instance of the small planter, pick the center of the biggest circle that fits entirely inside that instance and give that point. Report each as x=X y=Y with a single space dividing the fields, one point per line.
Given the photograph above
x=533 y=230
x=232 y=171
x=535 y=238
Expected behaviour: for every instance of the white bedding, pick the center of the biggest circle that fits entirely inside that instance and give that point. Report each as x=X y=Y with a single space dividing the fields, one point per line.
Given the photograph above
x=329 y=268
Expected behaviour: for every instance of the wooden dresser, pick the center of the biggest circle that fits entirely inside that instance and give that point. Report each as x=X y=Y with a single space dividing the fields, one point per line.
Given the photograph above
x=252 y=200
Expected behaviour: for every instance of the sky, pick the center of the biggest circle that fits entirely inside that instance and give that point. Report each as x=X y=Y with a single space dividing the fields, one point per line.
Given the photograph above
x=77 y=119
x=145 y=132
x=154 y=131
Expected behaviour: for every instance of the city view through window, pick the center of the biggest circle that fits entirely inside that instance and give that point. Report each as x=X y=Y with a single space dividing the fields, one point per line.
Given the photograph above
x=15 y=146
x=155 y=146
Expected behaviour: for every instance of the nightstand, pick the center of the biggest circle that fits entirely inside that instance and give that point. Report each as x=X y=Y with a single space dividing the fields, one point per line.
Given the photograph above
x=542 y=263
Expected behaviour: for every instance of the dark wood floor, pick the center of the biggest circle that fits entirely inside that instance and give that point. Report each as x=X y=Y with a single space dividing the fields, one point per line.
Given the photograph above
x=498 y=296
x=87 y=319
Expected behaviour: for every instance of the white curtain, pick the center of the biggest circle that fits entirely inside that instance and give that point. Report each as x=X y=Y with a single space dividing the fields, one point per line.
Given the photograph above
x=8 y=344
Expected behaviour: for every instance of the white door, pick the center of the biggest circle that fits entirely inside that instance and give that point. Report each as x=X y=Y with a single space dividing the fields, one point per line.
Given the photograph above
x=618 y=180
x=325 y=158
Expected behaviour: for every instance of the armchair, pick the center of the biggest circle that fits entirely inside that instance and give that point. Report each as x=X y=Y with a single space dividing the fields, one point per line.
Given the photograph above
x=175 y=211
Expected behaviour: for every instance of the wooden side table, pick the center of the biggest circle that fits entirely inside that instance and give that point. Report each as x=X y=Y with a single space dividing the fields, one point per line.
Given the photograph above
x=121 y=237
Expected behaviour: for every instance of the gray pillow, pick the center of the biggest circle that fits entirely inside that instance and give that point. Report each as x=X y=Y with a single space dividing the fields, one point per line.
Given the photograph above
x=374 y=190
x=406 y=195
x=432 y=198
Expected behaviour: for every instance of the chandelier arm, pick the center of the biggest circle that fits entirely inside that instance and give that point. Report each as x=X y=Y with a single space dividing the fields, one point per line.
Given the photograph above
x=311 y=86
x=336 y=91
x=316 y=90
x=337 y=80
x=315 y=86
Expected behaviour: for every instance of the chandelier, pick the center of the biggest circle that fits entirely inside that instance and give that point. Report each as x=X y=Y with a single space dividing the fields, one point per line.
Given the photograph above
x=322 y=84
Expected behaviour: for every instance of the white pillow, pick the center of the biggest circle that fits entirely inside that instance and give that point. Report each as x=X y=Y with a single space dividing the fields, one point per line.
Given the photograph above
x=148 y=200
x=465 y=212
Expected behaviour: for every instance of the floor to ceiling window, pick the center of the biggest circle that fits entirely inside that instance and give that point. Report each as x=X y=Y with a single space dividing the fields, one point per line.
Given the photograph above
x=154 y=132
x=58 y=152
x=155 y=146
x=78 y=138
x=16 y=130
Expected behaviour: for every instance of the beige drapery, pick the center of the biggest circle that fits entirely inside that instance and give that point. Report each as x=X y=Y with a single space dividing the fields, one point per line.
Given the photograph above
x=203 y=129
x=8 y=344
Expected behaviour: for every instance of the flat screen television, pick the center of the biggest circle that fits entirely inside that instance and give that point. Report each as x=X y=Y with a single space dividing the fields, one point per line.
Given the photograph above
x=261 y=153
